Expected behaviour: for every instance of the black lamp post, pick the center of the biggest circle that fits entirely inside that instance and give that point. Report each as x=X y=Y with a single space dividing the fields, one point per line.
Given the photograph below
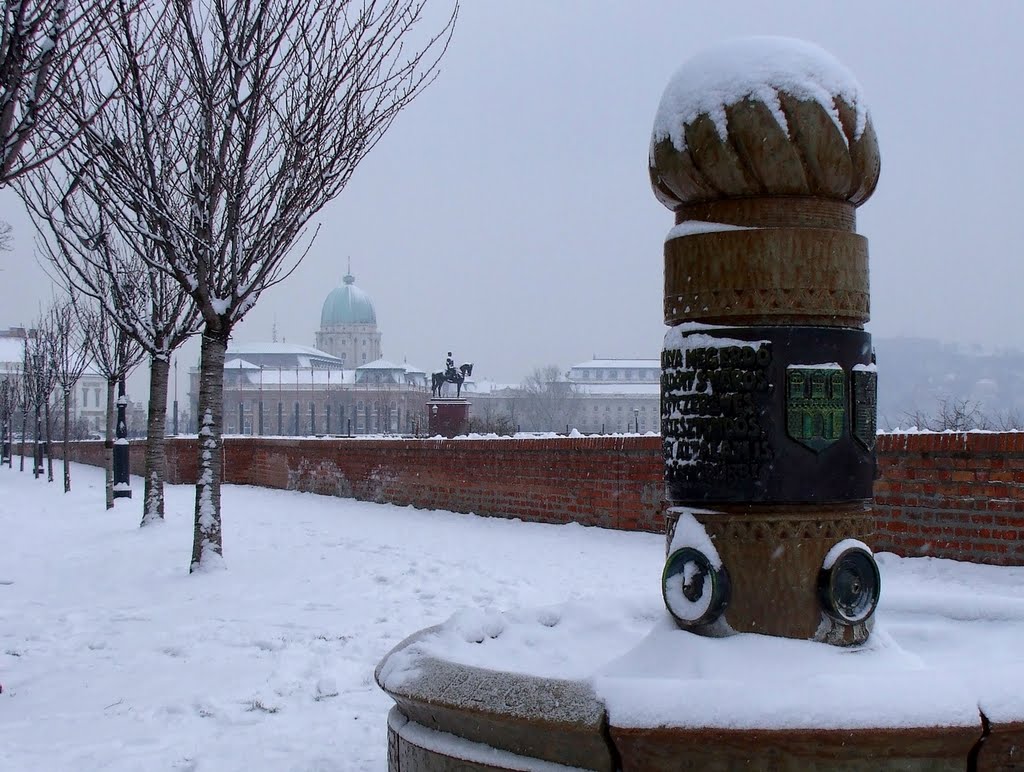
x=122 y=485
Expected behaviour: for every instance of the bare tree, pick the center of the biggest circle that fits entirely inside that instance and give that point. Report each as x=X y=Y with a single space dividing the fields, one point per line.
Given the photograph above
x=237 y=123
x=44 y=46
x=93 y=259
x=955 y=415
x=25 y=395
x=549 y=401
x=10 y=394
x=70 y=357
x=40 y=381
x=114 y=355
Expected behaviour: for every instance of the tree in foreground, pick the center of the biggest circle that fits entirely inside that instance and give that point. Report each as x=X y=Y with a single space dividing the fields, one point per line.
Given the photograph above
x=237 y=123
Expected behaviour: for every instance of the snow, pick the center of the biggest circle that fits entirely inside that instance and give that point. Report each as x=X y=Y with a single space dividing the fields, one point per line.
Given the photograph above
x=838 y=549
x=697 y=227
x=690 y=533
x=756 y=68
x=113 y=657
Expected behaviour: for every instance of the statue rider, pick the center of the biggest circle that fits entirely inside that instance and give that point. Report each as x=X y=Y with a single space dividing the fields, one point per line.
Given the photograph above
x=449 y=368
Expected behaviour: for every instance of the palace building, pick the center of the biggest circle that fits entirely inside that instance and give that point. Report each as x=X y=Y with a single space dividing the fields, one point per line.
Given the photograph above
x=341 y=386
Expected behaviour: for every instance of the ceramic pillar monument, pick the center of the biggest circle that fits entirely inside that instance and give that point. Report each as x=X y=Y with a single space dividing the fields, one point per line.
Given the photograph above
x=768 y=377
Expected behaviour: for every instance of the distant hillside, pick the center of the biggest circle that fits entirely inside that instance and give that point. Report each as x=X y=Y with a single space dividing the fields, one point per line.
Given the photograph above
x=915 y=375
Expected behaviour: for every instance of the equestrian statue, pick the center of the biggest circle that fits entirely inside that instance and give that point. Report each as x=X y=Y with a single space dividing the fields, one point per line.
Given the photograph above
x=450 y=375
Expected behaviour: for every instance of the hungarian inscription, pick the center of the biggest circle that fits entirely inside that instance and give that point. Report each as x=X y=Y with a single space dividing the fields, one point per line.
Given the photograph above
x=712 y=413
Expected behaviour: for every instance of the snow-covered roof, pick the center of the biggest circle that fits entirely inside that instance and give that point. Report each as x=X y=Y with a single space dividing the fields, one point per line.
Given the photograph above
x=242 y=349
x=239 y=364
x=381 y=364
x=484 y=386
x=414 y=370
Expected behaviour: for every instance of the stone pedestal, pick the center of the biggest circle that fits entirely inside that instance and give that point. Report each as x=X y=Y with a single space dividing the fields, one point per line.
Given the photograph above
x=447 y=417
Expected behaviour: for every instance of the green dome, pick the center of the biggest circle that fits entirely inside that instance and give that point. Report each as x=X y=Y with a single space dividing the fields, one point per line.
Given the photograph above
x=347 y=305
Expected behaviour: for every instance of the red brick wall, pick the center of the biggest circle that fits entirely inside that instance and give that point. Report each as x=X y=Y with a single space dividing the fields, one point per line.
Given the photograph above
x=952 y=495
x=614 y=482
x=606 y=481
x=948 y=495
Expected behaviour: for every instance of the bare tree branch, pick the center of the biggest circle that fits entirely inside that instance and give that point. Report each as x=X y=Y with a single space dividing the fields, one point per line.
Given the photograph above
x=45 y=45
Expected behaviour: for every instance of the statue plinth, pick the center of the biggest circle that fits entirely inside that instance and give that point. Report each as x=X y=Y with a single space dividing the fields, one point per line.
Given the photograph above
x=447 y=417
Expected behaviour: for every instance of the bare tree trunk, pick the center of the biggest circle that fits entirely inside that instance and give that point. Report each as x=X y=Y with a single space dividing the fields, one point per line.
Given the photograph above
x=37 y=436
x=207 y=548
x=66 y=444
x=49 y=444
x=24 y=430
x=156 y=458
x=108 y=445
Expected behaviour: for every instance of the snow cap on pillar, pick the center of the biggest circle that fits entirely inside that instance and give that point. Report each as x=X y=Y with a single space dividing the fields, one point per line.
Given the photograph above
x=763 y=116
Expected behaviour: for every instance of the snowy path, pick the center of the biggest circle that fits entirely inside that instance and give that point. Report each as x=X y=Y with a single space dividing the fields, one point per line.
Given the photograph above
x=113 y=658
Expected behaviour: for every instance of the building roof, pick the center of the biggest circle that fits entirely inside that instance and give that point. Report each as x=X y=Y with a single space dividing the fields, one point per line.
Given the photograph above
x=347 y=305
x=273 y=356
x=239 y=364
x=382 y=364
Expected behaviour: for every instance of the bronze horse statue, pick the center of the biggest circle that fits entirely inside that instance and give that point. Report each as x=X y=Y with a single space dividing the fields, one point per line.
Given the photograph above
x=438 y=380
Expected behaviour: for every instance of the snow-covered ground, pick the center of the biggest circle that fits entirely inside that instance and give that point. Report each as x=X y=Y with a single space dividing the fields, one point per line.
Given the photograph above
x=113 y=658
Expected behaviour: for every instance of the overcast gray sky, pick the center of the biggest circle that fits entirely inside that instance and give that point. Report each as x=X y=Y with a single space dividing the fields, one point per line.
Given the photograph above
x=507 y=215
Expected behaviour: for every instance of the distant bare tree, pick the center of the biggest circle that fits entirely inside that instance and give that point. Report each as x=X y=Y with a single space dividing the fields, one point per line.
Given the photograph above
x=549 y=401
x=114 y=354
x=24 y=395
x=70 y=357
x=954 y=414
x=40 y=381
x=5 y=237
x=45 y=46
x=1010 y=420
x=10 y=394
x=237 y=123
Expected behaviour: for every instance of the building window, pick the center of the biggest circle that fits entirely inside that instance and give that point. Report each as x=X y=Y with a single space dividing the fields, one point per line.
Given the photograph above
x=364 y=357
x=586 y=374
x=613 y=374
x=96 y=393
x=629 y=374
x=85 y=398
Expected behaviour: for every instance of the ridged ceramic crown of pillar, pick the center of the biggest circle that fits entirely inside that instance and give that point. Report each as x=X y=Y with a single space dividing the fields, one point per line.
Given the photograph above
x=765 y=133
